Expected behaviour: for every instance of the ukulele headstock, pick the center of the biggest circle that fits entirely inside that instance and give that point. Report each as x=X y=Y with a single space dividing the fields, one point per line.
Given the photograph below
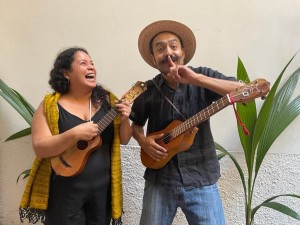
x=250 y=91
x=138 y=88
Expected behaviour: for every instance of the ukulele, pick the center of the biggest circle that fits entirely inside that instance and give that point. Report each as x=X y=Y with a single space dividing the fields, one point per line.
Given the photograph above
x=72 y=161
x=179 y=136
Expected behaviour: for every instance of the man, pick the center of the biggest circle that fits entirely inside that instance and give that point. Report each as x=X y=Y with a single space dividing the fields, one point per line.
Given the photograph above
x=188 y=179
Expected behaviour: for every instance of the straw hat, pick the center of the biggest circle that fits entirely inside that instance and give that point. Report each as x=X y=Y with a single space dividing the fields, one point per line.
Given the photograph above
x=182 y=31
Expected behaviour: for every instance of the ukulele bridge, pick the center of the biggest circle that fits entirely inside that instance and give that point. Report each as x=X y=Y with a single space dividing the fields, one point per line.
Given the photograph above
x=64 y=162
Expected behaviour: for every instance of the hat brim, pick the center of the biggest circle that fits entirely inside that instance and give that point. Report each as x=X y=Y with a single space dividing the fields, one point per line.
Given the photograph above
x=182 y=31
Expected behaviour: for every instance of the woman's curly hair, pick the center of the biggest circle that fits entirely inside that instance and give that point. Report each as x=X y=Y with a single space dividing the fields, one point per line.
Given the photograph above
x=60 y=84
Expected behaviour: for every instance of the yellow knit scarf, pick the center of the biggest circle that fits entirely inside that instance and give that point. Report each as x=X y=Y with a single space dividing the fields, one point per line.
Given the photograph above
x=35 y=197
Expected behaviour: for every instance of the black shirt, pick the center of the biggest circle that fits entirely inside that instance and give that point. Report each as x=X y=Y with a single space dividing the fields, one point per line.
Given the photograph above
x=197 y=166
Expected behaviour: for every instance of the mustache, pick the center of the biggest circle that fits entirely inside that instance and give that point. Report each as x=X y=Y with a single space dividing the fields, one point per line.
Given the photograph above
x=173 y=58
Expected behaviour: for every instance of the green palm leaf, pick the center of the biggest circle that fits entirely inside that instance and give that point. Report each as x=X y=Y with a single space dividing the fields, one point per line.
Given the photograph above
x=20 y=134
x=28 y=106
x=283 y=209
x=281 y=115
x=17 y=102
x=224 y=151
x=248 y=115
x=263 y=116
x=221 y=155
x=21 y=105
x=18 y=106
x=278 y=206
x=25 y=174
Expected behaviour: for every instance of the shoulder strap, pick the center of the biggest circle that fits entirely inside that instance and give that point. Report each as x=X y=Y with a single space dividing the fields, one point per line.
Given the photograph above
x=167 y=99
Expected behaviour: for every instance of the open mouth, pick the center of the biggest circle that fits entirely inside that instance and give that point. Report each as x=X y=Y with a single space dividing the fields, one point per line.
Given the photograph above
x=90 y=76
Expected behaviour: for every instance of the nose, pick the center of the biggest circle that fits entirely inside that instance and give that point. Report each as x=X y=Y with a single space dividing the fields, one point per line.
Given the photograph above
x=168 y=51
x=91 y=66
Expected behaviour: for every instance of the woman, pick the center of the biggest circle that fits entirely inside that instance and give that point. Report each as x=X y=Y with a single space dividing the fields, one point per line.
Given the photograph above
x=61 y=120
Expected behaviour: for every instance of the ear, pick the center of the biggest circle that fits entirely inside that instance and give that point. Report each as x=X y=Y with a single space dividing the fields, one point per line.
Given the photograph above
x=65 y=74
x=183 y=54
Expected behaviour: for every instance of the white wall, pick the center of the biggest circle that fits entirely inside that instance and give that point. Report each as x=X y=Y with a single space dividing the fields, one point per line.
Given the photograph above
x=264 y=34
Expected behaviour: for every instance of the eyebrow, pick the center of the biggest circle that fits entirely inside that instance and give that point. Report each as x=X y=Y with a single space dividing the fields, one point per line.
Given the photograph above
x=162 y=42
x=85 y=60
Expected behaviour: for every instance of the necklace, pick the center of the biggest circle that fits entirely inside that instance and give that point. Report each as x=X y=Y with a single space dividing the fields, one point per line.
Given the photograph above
x=90 y=106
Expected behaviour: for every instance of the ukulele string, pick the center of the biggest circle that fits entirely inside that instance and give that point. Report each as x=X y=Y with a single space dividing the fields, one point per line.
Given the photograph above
x=230 y=99
x=195 y=119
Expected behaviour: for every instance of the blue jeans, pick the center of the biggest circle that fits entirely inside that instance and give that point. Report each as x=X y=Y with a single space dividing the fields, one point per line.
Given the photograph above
x=201 y=206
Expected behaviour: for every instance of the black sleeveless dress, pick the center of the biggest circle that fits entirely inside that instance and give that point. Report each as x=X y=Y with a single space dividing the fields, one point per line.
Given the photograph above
x=84 y=199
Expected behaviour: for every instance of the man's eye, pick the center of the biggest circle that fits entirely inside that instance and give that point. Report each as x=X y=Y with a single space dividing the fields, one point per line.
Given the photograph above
x=174 y=47
x=160 y=49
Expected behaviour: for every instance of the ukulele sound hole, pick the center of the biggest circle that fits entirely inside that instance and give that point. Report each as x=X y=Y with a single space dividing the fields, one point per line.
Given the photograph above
x=81 y=145
x=167 y=138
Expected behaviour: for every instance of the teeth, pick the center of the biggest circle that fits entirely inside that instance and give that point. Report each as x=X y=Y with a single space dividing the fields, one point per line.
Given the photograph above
x=90 y=76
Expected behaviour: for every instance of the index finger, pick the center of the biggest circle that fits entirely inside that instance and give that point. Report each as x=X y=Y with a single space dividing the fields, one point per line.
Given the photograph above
x=170 y=62
x=157 y=146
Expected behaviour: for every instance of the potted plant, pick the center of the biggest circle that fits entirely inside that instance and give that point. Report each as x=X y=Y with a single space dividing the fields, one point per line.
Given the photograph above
x=275 y=115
